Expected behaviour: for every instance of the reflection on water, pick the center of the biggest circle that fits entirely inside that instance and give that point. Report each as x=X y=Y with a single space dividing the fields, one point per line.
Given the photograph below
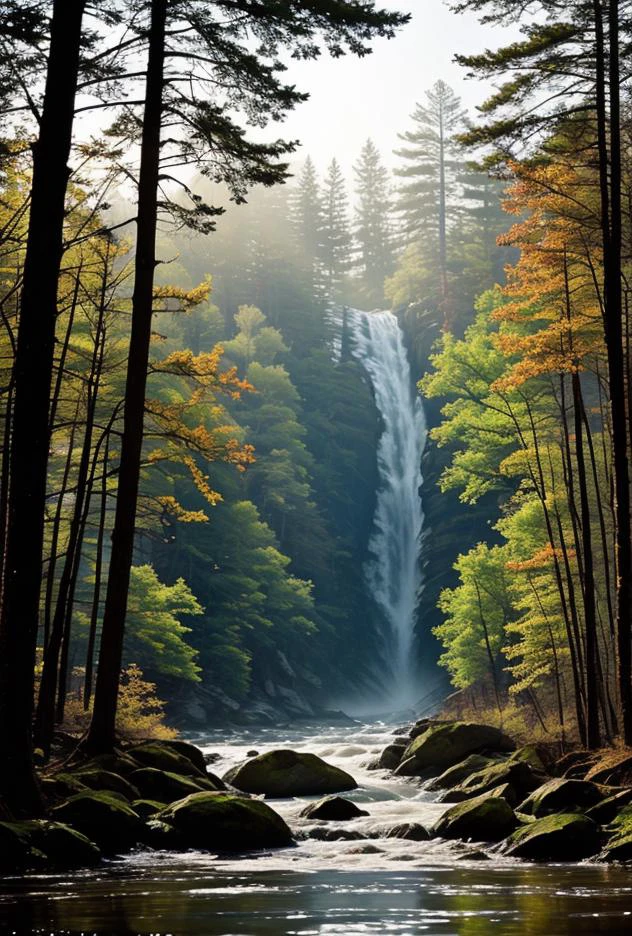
x=468 y=901
x=342 y=888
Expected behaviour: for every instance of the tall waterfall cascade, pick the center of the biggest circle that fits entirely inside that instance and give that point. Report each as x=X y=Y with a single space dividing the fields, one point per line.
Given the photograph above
x=393 y=573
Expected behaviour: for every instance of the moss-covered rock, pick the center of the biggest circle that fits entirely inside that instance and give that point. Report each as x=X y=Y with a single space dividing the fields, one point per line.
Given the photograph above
x=98 y=779
x=60 y=786
x=619 y=842
x=530 y=754
x=391 y=755
x=608 y=809
x=166 y=786
x=413 y=831
x=485 y=818
x=224 y=822
x=38 y=842
x=162 y=836
x=616 y=773
x=559 y=837
x=443 y=745
x=116 y=761
x=334 y=808
x=561 y=796
x=289 y=773
x=147 y=808
x=516 y=774
x=455 y=775
x=161 y=756
x=103 y=817
x=186 y=749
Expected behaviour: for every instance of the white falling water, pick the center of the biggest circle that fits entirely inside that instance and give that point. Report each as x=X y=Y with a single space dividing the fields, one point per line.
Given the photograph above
x=394 y=572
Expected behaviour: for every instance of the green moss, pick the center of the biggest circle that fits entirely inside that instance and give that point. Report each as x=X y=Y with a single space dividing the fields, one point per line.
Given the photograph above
x=560 y=837
x=162 y=756
x=455 y=775
x=485 y=818
x=37 y=843
x=288 y=773
x=562 y=796
x=444 y=745
x=164 y=785
x=103 y=817
x=146 y=808
x=99 y=779
x=225 y=822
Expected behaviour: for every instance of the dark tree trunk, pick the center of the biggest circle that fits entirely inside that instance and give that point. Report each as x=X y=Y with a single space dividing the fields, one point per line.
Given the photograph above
x=101 y=735
x=30 y=436
x=609 y=144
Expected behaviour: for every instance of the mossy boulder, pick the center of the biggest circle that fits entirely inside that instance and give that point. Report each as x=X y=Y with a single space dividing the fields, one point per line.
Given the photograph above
x=561 y=796
x=334 y=808
x=619 y=844
x=60 y=786
x=147 y=808
x=98 y=779
x=225 y=822
x=161 y=756
x=445 y=744
x=103 y=817
x=485 y=818
x=116 y=761
x=38 y=842
x=413 y=831
x=516 y=774
x=616 y=773
x=455 y=775
x=608 y=809
x=531 y=755
x=186 y=749
x=166 y=786
x=560 y=837
x=289 y=773
x=391 y=755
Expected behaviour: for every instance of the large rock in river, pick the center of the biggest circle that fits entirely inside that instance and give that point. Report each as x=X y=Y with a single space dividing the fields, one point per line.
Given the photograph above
x=289 y=773
x=37 y=842
x=225 y=822
x=485 y=818
x=334 y=808
x=517 y=774
x=104 y=818
x=443 y=745
x=166 y=786
x=164 y=756
x=561 y=796
x=561 y=837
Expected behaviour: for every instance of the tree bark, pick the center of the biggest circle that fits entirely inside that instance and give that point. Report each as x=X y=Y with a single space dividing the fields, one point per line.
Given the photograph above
x=101 y=735
x=30 y=437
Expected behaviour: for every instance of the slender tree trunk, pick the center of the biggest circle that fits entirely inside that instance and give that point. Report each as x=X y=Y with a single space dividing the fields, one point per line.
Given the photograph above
x=98 y=571
x=101 y=735
x=30 y=438
x=609 y=144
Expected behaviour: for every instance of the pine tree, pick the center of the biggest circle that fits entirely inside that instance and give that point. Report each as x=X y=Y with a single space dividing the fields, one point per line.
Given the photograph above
x=307 y=218
x=335 y=247
x=428 y=198
x=373 y=228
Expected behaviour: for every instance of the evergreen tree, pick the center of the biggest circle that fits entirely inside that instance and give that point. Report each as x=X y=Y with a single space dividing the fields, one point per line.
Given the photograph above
x=336 y=233
x=373 y=228
x=307 y=218
x=428 y=201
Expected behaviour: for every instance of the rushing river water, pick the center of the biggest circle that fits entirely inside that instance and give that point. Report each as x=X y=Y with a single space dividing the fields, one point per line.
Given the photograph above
x=371 y=885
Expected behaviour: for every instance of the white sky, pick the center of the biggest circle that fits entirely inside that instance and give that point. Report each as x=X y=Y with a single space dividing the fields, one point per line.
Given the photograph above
x=352 y=99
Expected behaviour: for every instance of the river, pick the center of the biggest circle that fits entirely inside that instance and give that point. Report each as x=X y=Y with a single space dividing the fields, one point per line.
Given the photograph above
x=370 y=885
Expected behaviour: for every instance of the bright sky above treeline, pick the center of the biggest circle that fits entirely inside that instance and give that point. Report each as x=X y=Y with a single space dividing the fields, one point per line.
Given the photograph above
x=352 y=99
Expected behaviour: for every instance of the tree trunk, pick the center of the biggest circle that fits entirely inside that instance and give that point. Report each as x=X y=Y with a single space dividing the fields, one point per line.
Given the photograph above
x=101 y=735
x=30 y=437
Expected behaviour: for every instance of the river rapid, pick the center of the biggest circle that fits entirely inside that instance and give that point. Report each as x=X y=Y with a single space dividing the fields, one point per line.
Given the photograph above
x=369 y=885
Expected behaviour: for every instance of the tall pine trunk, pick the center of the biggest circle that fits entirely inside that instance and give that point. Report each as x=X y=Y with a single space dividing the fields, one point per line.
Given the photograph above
x=101 y=735
x=30 y=431
x=609 y=144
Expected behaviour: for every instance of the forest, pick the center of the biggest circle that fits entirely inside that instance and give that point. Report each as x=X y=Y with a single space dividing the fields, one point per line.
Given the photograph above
x=189 y=469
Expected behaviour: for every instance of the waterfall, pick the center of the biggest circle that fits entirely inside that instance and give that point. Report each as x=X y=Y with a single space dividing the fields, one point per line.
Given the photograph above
x=393 y=573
